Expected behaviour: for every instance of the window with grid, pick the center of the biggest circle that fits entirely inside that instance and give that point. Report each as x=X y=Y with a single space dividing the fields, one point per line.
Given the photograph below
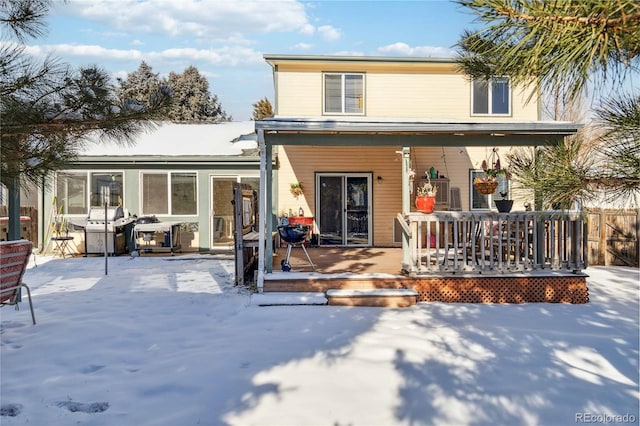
x=343 y=93
x=169 y=193
x=76 y=192
x=491 y=97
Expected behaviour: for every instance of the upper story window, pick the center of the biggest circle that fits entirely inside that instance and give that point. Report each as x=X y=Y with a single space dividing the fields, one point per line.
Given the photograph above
x=343 y=93
x=491 y=97
x=169 y=193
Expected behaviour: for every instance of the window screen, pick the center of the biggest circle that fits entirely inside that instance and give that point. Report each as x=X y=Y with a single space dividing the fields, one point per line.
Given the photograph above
x=154 y=193
x=344 y=93
x=491 y=96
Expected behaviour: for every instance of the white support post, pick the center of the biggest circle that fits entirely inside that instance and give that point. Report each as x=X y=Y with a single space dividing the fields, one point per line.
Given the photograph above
x=262 y=210
x=406 y=200
x=269 y=208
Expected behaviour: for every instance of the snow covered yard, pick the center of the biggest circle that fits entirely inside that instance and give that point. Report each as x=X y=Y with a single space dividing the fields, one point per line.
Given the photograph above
x=171 y=341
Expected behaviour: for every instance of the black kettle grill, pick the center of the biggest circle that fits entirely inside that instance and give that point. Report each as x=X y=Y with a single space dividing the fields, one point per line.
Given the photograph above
x=294 y=235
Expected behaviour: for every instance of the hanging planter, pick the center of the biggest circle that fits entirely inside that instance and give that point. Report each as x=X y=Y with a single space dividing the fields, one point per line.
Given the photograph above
x=485 y=187
x=488 y=185
x=296 y=189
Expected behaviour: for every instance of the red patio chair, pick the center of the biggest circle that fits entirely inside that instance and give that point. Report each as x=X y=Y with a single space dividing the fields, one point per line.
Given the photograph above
x=14 y=257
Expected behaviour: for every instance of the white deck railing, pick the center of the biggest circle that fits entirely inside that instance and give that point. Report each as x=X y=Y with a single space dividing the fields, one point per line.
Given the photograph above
x=488 y=242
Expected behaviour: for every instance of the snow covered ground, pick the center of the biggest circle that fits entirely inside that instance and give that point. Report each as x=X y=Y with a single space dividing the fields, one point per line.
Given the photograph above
x=171 y=341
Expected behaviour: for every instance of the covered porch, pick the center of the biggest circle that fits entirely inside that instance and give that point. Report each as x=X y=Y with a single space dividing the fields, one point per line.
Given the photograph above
x=464 y=256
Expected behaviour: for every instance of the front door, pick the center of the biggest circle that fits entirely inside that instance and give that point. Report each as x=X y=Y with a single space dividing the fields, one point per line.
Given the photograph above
x=344 y=209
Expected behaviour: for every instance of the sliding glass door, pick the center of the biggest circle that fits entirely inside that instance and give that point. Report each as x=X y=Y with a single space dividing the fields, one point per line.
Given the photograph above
x=344 y=209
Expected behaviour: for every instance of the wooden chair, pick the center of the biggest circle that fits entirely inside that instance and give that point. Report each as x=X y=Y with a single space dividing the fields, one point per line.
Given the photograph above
x=14 y=257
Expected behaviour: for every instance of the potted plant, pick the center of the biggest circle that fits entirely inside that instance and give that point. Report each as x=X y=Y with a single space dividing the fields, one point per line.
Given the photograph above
x=426 y=197
x=504 y=205
x=296 y=189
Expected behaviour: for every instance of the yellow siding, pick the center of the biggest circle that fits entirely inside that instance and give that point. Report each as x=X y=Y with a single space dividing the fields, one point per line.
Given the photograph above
x=380 y=161
x=452 y=162
x=455 y=163
x=404 y=90
x=417 y=95
x=299 y=94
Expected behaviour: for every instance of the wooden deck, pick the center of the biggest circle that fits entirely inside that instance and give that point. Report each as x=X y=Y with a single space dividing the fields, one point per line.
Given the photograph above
x=374 y=269
x=343 y=260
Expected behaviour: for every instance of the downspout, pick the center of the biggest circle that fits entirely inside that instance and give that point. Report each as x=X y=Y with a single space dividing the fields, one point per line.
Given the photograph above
x=275 y=90
x=262 y=209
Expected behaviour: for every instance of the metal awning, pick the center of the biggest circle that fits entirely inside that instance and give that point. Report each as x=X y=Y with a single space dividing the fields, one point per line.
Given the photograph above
x=410 y=132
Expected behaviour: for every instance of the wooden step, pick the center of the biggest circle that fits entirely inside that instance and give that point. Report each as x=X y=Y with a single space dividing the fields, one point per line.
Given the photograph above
x=382 y=297
x=288 y=299
x=292 y=282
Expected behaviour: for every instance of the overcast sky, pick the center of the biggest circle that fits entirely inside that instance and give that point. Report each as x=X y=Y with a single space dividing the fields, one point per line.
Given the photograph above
x=226 y=40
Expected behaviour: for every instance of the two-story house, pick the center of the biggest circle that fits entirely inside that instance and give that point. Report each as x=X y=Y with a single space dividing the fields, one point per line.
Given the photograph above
x=358 y=134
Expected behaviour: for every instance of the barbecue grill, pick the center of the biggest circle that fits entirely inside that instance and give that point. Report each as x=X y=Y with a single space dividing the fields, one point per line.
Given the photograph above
x=294 y=236
x=118 y=227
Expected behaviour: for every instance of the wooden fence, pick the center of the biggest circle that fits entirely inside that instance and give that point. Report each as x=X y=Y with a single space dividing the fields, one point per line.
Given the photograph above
x=613 y=237
x=28 y=227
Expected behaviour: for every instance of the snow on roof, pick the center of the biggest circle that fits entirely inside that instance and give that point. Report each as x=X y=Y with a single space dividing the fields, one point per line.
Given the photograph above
x=174 y=139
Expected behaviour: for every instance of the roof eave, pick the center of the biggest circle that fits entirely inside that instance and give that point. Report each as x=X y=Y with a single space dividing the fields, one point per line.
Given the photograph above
x=337 y=126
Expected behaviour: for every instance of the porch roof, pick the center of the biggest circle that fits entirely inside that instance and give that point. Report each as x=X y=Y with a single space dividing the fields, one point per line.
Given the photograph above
x=411 y=131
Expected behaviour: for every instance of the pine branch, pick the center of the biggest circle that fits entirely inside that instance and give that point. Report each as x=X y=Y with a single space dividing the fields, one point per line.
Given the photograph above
x=553 y=42
x=599 y=22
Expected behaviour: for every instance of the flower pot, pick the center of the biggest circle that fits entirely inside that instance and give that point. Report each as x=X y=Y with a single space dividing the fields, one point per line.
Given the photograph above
x=503 y=206
x=425 y=203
